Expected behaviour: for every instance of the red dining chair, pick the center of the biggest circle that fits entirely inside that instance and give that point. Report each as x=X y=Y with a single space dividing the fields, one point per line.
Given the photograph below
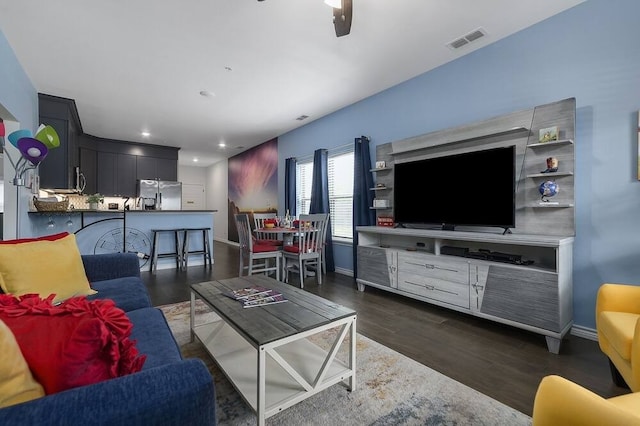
x=255 y=257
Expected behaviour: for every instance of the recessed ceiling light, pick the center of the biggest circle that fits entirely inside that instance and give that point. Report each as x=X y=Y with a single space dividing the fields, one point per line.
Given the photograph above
x=146 y=134
x=207 y=94
x=222 y=144
x=195 y=159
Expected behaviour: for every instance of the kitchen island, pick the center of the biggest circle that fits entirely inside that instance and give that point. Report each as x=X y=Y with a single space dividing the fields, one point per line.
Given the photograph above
x=110 y=231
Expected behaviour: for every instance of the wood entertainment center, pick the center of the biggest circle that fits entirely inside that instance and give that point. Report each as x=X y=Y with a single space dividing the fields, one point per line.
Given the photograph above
x=522 y=278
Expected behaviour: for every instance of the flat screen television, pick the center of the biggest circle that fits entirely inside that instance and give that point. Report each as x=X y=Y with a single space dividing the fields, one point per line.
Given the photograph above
x=469 y=189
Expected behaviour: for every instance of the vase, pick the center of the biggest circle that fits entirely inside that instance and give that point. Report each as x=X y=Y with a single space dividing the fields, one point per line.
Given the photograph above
x=93 y=206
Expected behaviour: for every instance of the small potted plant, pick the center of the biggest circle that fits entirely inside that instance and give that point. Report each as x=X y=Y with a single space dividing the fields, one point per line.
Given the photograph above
x=94 y=199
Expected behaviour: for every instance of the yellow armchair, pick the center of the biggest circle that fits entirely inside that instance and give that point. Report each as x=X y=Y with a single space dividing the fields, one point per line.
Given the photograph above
x=560 y=401
x=618 y=327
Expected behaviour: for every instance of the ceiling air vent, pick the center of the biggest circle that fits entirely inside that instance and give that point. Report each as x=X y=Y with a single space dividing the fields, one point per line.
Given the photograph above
x=466 y=39
x=302 y=117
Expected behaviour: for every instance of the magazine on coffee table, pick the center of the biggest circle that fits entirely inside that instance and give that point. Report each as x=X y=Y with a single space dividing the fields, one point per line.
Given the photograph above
x=256 y=296
x=244 y=293
x=263 y=300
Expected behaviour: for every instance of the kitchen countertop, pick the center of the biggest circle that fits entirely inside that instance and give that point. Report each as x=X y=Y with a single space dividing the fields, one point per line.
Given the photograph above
x=121 y=211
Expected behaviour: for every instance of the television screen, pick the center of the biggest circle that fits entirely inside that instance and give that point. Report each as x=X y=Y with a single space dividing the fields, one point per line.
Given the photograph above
x=474 y=188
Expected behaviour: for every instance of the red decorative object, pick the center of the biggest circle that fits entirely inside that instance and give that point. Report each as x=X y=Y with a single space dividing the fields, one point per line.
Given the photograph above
x=52 y=237
x=76 y=343
x=385 y=221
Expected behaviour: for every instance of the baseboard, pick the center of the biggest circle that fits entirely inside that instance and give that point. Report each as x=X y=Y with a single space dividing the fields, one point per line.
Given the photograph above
x=584 y=332
x=343 y=271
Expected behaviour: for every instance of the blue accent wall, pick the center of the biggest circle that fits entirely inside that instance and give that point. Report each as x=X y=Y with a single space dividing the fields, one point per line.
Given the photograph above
x=590 y=52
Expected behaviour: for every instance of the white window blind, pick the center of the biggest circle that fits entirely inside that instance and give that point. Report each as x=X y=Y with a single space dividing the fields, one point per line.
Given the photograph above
x=340 y=172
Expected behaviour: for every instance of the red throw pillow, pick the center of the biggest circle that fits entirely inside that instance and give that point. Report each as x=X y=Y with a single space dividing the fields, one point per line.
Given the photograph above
x=76 y=343
x=52 y=237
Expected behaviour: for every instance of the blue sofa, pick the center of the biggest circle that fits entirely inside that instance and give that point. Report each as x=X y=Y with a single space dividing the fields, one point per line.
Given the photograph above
x=169 y=390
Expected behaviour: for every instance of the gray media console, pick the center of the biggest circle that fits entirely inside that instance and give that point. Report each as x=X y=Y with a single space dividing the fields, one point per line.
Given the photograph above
x=534 y=294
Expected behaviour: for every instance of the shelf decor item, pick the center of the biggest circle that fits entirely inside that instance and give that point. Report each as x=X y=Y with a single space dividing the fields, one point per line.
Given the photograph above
x=552 y=165
x=381 y=164
x=548 y=134
x=548 y=189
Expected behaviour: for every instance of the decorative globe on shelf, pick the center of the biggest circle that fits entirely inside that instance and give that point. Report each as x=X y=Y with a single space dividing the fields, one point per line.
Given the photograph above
x=548 y=189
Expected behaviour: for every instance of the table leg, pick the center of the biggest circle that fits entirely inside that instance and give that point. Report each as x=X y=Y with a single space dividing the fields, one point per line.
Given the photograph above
x=192 y=316
x=352 y=357
x=262 y=375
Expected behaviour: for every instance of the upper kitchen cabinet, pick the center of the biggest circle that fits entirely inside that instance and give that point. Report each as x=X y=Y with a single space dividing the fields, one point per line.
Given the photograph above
x=156 y=168
x=57 y=170
x=112 y=167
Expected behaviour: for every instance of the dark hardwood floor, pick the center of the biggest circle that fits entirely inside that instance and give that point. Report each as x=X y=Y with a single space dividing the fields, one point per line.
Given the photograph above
x=503 y=362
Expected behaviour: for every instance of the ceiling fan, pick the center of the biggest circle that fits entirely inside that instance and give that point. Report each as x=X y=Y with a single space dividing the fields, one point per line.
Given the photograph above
x=342 y=13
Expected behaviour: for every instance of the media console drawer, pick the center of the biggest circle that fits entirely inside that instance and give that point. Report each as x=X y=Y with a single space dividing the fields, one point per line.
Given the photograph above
x=443 y=291
x=429 y=265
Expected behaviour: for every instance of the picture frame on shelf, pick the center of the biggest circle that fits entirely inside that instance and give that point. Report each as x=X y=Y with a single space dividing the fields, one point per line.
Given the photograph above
x=381 y=164
x=548 y=134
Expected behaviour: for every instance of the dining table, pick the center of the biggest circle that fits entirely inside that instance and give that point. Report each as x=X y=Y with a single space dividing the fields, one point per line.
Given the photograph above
x=286 y=234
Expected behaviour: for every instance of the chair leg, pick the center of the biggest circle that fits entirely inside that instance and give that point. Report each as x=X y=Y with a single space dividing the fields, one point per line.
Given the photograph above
x=319 y=270
x=301 y=272
x=617 y=377
x=154 y=256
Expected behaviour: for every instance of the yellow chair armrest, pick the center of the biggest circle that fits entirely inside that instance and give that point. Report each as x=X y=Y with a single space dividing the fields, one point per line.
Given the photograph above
x=618 y=298
x=559 y=401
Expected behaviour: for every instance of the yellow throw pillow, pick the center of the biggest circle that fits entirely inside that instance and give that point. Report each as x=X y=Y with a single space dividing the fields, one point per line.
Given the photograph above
x=44 y=267
x=16 y=381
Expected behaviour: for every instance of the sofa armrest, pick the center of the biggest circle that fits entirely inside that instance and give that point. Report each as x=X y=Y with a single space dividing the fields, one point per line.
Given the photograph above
x=559 y=401
x=618 y=298
x=180 y=393
x=108 y=266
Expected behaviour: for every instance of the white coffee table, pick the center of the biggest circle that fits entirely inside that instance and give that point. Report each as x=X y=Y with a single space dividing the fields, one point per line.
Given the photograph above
x=264 y=351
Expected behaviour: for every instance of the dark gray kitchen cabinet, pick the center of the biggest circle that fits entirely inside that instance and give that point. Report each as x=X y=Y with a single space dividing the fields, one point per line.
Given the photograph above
x=116 y=174
x=89 y=169
x=57 y=169
x=156 y=168
x=126 y=175
x=106 y=173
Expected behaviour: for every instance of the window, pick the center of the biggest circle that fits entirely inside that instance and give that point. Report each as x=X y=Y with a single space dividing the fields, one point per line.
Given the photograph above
x=340 y=190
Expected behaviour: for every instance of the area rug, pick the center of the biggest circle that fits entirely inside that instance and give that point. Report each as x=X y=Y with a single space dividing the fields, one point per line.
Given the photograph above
x=391 y=389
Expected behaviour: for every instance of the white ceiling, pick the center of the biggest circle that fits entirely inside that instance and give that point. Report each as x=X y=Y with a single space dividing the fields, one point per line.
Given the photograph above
x=141 y=65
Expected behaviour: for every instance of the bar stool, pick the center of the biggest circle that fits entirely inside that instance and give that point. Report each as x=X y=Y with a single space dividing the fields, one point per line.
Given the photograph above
x=177 y=253
x=205 y=251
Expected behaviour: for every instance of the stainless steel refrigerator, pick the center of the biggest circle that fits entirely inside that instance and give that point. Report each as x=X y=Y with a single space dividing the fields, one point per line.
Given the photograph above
x=160 y=194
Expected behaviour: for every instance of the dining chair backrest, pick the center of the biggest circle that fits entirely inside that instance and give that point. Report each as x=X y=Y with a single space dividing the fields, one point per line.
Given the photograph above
x=244 y=231
x=258 y=222
x=317 y=222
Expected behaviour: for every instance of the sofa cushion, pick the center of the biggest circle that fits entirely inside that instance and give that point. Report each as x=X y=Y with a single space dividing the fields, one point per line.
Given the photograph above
x=43 y=267
x=76 y=343
x=16 y=381
x=153 y=337
x=619 y=327
x=128 y=293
